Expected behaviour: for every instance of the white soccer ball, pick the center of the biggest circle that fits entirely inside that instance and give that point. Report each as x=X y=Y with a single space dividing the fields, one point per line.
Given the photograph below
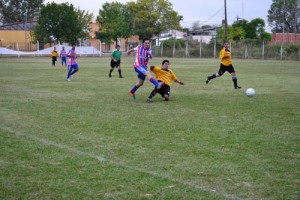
x=250 y=92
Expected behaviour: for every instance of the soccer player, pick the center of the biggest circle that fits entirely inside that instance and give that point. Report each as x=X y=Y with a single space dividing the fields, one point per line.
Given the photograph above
x=116 y=61
x=73 y=65
x=163 y=74
x=226 y=65
x=54 y=54
x=143 y=54
x=63 y=55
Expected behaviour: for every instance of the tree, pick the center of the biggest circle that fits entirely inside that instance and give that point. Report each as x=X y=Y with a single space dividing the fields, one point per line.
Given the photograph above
x=252 y=30
x=151 y=17
x=62 y=22
x=12 y=11
x=284 y=16
x=115 y=21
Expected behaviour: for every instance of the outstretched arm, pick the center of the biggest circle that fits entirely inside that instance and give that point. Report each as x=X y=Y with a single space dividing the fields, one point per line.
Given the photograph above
x=180 y=82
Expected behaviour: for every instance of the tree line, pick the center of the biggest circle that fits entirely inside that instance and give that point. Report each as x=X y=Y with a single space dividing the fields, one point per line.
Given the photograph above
x=145 y=18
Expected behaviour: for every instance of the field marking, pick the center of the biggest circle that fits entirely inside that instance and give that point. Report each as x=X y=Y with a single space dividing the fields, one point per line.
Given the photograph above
x=102 y=159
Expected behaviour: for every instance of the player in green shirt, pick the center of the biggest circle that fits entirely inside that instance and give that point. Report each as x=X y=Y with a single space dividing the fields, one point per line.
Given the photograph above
x=116 y=61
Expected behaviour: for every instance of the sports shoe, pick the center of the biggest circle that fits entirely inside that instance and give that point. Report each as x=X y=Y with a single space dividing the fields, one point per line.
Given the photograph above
x=132 y=94
x=109 y=75
x=237 y=87
x=149 y=101
x=68 y=79
x=207 y=80
x=121 y=77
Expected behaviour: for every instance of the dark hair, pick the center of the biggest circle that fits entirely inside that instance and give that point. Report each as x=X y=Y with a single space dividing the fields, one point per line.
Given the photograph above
x=164 y=61
x=118 y=46
x=73 y=44
x=145 y=39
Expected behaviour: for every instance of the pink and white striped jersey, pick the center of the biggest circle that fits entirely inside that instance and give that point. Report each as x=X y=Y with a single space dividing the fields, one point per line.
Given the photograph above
x=142 y=56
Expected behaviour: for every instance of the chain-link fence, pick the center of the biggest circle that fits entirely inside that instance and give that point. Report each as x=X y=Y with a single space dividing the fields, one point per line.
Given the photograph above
x=250 y=49
x=242 y=50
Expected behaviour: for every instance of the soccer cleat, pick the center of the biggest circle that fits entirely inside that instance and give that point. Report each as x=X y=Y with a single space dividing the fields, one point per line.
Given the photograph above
x=237 y=87
x=132 y=94
x=121 y=76
x=149 y=101
x=207 y=80
x=68 y=79
x=109 y=75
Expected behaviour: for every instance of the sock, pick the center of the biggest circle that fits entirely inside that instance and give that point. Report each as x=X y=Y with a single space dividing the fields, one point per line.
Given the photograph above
x=74 y=72
x=110 y=71
x=120 y=74
x=154 y=82
x=153 y=93
x=212 y=77
x=68 y=75
x=234 y=79
x=134 y=89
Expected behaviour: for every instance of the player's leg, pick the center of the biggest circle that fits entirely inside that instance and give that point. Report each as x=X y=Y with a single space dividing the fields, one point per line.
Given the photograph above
x=112 y=66
x=218 y=74
x=141 y=78
x=157 y=84
x=166 y=92
x=152 y=94
x=69 y=73
x=234 y=78
x=75 y=69
x=119 y=68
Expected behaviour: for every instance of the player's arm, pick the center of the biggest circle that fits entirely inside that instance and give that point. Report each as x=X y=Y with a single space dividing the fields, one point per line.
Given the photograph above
x=130 y=51
x=179 y=81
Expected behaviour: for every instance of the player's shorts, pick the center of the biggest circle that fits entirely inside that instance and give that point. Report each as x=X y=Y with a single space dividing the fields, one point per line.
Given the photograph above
x=141 y=71
x=54 y=58
x=115 y=64
x=71 y=67
x=224 y=68
x=63 y=59
x=164 y=90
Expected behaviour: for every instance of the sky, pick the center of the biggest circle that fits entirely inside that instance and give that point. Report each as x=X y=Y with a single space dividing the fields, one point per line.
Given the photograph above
x=207 y=12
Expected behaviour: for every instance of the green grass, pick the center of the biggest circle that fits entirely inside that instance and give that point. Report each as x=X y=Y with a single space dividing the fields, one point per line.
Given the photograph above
x=88 y=139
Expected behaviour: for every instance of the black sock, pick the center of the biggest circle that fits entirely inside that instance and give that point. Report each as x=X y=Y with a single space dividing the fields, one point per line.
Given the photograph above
x=234 y=79
x=153 y=93
x=120 y=73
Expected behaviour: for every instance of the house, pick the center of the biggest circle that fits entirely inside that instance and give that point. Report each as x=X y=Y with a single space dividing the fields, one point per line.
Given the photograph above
x=204 y=35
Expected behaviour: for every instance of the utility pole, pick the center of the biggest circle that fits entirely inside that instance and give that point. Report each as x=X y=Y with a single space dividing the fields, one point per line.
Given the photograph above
x=226 y=32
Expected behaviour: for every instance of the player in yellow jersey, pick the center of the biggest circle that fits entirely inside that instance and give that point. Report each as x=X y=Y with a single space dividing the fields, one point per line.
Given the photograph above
x=165 y=75
x=54 y=55
x=226 y=65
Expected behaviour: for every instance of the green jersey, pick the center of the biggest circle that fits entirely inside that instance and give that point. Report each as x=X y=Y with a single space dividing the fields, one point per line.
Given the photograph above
x=116 y=54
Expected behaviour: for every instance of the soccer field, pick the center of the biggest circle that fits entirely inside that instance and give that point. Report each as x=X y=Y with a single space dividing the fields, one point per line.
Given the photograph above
x=88 y=139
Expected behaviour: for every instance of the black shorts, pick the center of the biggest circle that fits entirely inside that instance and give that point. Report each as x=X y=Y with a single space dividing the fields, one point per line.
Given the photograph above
x=224 y=68
x=164 y=90
x=54 y=58
x=115 y=64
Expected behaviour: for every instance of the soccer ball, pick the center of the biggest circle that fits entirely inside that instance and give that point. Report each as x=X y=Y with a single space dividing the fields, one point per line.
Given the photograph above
x=250 y=92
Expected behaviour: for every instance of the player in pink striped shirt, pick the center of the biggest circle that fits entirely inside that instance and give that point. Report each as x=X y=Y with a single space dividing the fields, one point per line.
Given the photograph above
x=143 y=54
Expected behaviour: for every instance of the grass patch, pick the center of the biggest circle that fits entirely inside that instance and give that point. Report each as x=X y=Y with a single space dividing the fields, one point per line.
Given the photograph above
x=88 y=139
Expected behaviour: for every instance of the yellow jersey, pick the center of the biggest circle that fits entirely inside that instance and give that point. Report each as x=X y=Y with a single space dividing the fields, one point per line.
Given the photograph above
x=54 y=53
x=225 y=60
x=164 y=75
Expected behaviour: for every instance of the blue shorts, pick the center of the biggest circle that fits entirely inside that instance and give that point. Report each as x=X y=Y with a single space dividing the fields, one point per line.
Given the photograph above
x=71 y=67
x=141 y=71
x=63 y=59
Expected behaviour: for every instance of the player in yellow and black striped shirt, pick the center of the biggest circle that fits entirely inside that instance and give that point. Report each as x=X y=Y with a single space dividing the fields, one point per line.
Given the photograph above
x=54 y=55
x=163 y=74
x=226 y=65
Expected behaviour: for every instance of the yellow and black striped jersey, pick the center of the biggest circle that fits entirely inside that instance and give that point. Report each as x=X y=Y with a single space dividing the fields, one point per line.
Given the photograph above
x=225 y=60
x=164 y=75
